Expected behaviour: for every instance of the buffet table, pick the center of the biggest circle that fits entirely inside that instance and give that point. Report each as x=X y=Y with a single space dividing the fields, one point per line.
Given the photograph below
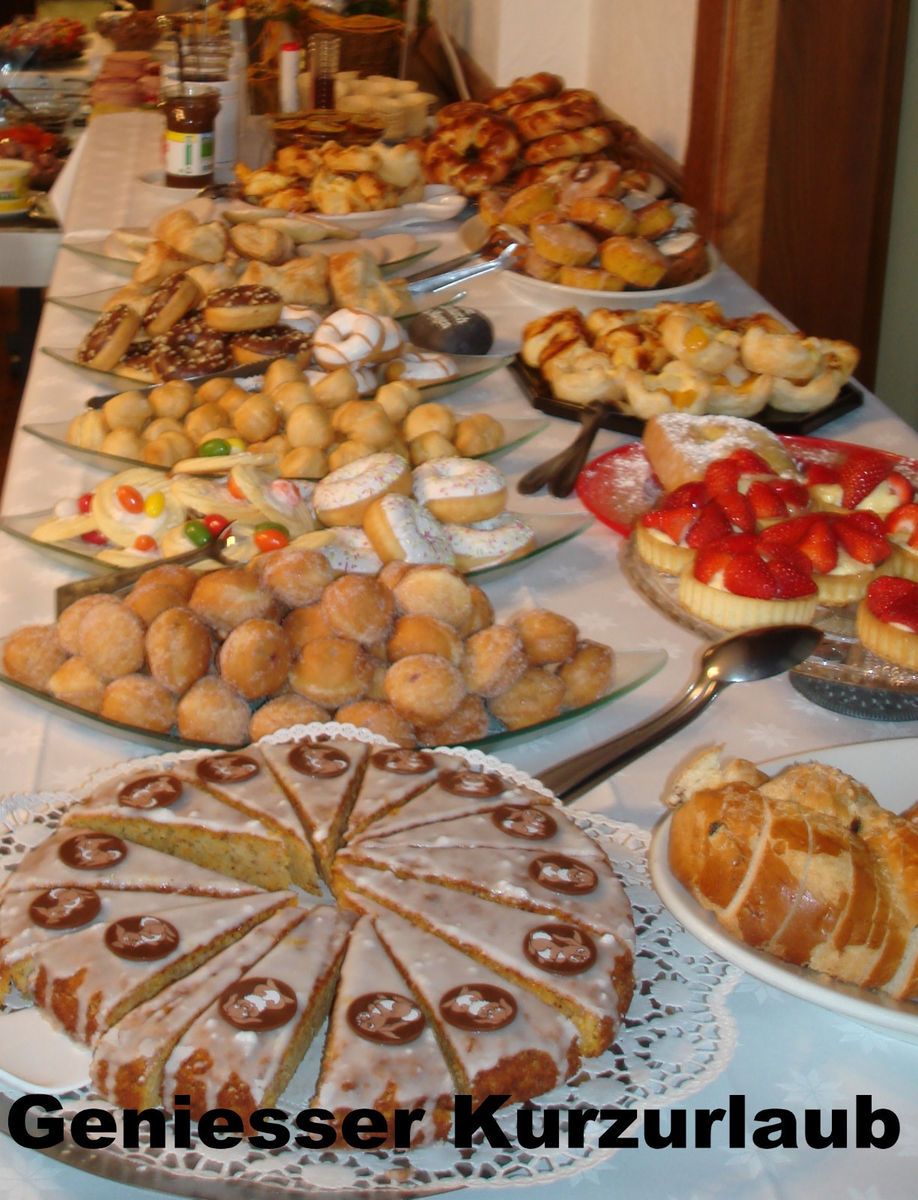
x=777 y=1051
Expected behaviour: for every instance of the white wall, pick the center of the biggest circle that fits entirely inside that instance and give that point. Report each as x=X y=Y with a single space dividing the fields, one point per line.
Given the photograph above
x=636 y=54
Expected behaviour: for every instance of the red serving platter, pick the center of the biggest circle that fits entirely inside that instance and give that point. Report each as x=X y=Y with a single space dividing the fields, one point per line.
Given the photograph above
x=619 y=486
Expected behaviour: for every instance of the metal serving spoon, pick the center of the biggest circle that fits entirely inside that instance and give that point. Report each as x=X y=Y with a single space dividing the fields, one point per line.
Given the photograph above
x=742 y=658
x=561 y=470
x=500 y=250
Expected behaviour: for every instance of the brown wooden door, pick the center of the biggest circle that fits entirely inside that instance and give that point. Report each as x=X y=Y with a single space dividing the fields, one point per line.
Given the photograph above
x=791 y=154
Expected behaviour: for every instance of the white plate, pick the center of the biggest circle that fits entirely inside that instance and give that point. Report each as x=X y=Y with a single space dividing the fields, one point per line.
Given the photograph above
x=541 y=289
x=440 y=203
x=36 y=1056
x=888 y=769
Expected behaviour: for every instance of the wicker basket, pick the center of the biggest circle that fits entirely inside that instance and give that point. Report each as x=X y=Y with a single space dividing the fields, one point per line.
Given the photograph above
x=369 y=44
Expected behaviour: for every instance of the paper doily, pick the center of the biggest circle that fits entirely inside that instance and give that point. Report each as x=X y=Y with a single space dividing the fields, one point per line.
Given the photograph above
x=675 y=1039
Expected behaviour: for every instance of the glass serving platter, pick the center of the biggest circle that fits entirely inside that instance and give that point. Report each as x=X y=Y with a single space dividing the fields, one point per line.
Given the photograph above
x=517 y=432
x=551 y=530
x=632 y=668
x=393 y=252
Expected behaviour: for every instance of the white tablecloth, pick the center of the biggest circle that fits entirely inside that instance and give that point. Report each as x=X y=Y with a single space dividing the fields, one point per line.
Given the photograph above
x=788 y=1053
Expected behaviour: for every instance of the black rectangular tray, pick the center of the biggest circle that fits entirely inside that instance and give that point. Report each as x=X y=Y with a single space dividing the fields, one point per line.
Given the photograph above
x=538 y=393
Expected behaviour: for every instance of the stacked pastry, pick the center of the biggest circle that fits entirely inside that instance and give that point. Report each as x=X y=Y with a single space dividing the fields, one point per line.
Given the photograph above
x=143 y=927
x=686 y=358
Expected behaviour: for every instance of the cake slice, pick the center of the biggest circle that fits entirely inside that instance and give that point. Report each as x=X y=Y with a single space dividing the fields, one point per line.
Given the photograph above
x=458 y=792
x=588 y=978
x=91 y=859
x=321 y=779
x=497 y=1038
x=393 y=776
x=585 y=890
x=93 y=977
x=380 y=1052
x=167 y=812
x=242 y=780
x=506 y=826
x=242 y=1050
x=128 y=1061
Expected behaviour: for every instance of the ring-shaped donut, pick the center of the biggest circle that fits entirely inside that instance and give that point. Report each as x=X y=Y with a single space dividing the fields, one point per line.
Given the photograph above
x=460 y=491
x=346 y=338
x=343 y=496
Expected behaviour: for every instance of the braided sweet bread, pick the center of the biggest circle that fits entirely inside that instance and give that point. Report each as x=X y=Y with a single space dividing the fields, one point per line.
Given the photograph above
x=526 y=87
x=472 y=149
x=805 y=865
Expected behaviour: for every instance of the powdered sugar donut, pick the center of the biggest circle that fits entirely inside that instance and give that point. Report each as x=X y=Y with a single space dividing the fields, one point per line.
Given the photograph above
x=343 y=496
x=422 y=368
x=497 y=540
x=347 y=337
x=402 y=530
x=460 y=491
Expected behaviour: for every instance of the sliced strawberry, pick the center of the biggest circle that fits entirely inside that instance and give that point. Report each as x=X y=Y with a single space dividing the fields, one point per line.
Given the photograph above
x=791 y=556
x=738 y=511
x=710 y=561
x=711 y=525
x=903 y=521
x=749 y=575
x=818 y=473
x=721 y=477
x=790 y=583
x=859 y=475
x=671 y=521
x=749 y=463
x=901 y=486
x=765 y=500
x=689 y=495
x=893 y=599
x=794 y=495
x=820 y=546
x=864 y=540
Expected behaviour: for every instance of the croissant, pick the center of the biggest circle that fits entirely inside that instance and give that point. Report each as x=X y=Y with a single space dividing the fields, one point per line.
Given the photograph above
x=805 y=865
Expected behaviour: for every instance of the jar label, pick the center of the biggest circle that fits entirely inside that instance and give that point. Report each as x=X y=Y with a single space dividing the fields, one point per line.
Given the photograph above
x=189 y=154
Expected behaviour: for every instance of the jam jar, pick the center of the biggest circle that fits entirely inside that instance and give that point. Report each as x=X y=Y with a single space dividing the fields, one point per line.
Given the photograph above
x=191 y=111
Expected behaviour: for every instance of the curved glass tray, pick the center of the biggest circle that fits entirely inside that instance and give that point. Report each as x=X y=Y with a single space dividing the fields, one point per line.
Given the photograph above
x=886 y=768
x=551 y=530
x=516 y=431
x=632 y=668
x=681 y=995
x=841 y=674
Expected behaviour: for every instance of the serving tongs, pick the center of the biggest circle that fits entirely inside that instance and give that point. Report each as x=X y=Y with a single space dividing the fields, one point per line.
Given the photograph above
x=559 y=473
x=502 y=248
x=117 y=581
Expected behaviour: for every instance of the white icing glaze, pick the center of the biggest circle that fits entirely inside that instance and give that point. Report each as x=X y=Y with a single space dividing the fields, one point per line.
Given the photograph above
x=420 y=366
x=435 y=968
x=437 y=804
x=303 y=959
x=350 y=551
x=383 y=790
x=141 y=869
x=307 y=320
x=151 y=1030
x=260 y=797
x=359 y=481
x=448 y=478
x=347 y=337
x=365 y=378
x=494 y=539
x=356 y=1072
x=419 y=534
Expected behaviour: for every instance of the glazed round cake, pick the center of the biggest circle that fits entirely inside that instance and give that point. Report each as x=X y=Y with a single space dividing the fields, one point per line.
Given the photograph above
x=464 y=935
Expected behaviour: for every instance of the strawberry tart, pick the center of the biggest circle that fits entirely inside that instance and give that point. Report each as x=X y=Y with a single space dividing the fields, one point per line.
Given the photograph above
x=864 y=480
x=887 y=620
x=902 y=531
x=845 y=550
x=739 y=583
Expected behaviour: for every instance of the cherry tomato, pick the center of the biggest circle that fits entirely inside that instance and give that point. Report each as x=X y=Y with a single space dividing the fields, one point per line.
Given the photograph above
x=144 y=543
x=271 y=536
x=197 y=533
x=235 y=489
x=130 y=499
x=84 y=504
x=214 y=448
x=154 y=504
x=215 y=523
x=95 y=537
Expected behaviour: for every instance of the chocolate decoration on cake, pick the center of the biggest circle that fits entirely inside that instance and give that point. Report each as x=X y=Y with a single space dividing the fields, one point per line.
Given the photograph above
x=479 y=1007
x=258 y=1004
x=227 y=768
x=92 y=851
x=324 y=762
x=142 y=938
x=386 y=1017
x=558 y=873
x=403 y=762
x=452 y=330
x=150 y=791
x=483 y=784
x=560 y=949
x=65 y=907
x=522 y=821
